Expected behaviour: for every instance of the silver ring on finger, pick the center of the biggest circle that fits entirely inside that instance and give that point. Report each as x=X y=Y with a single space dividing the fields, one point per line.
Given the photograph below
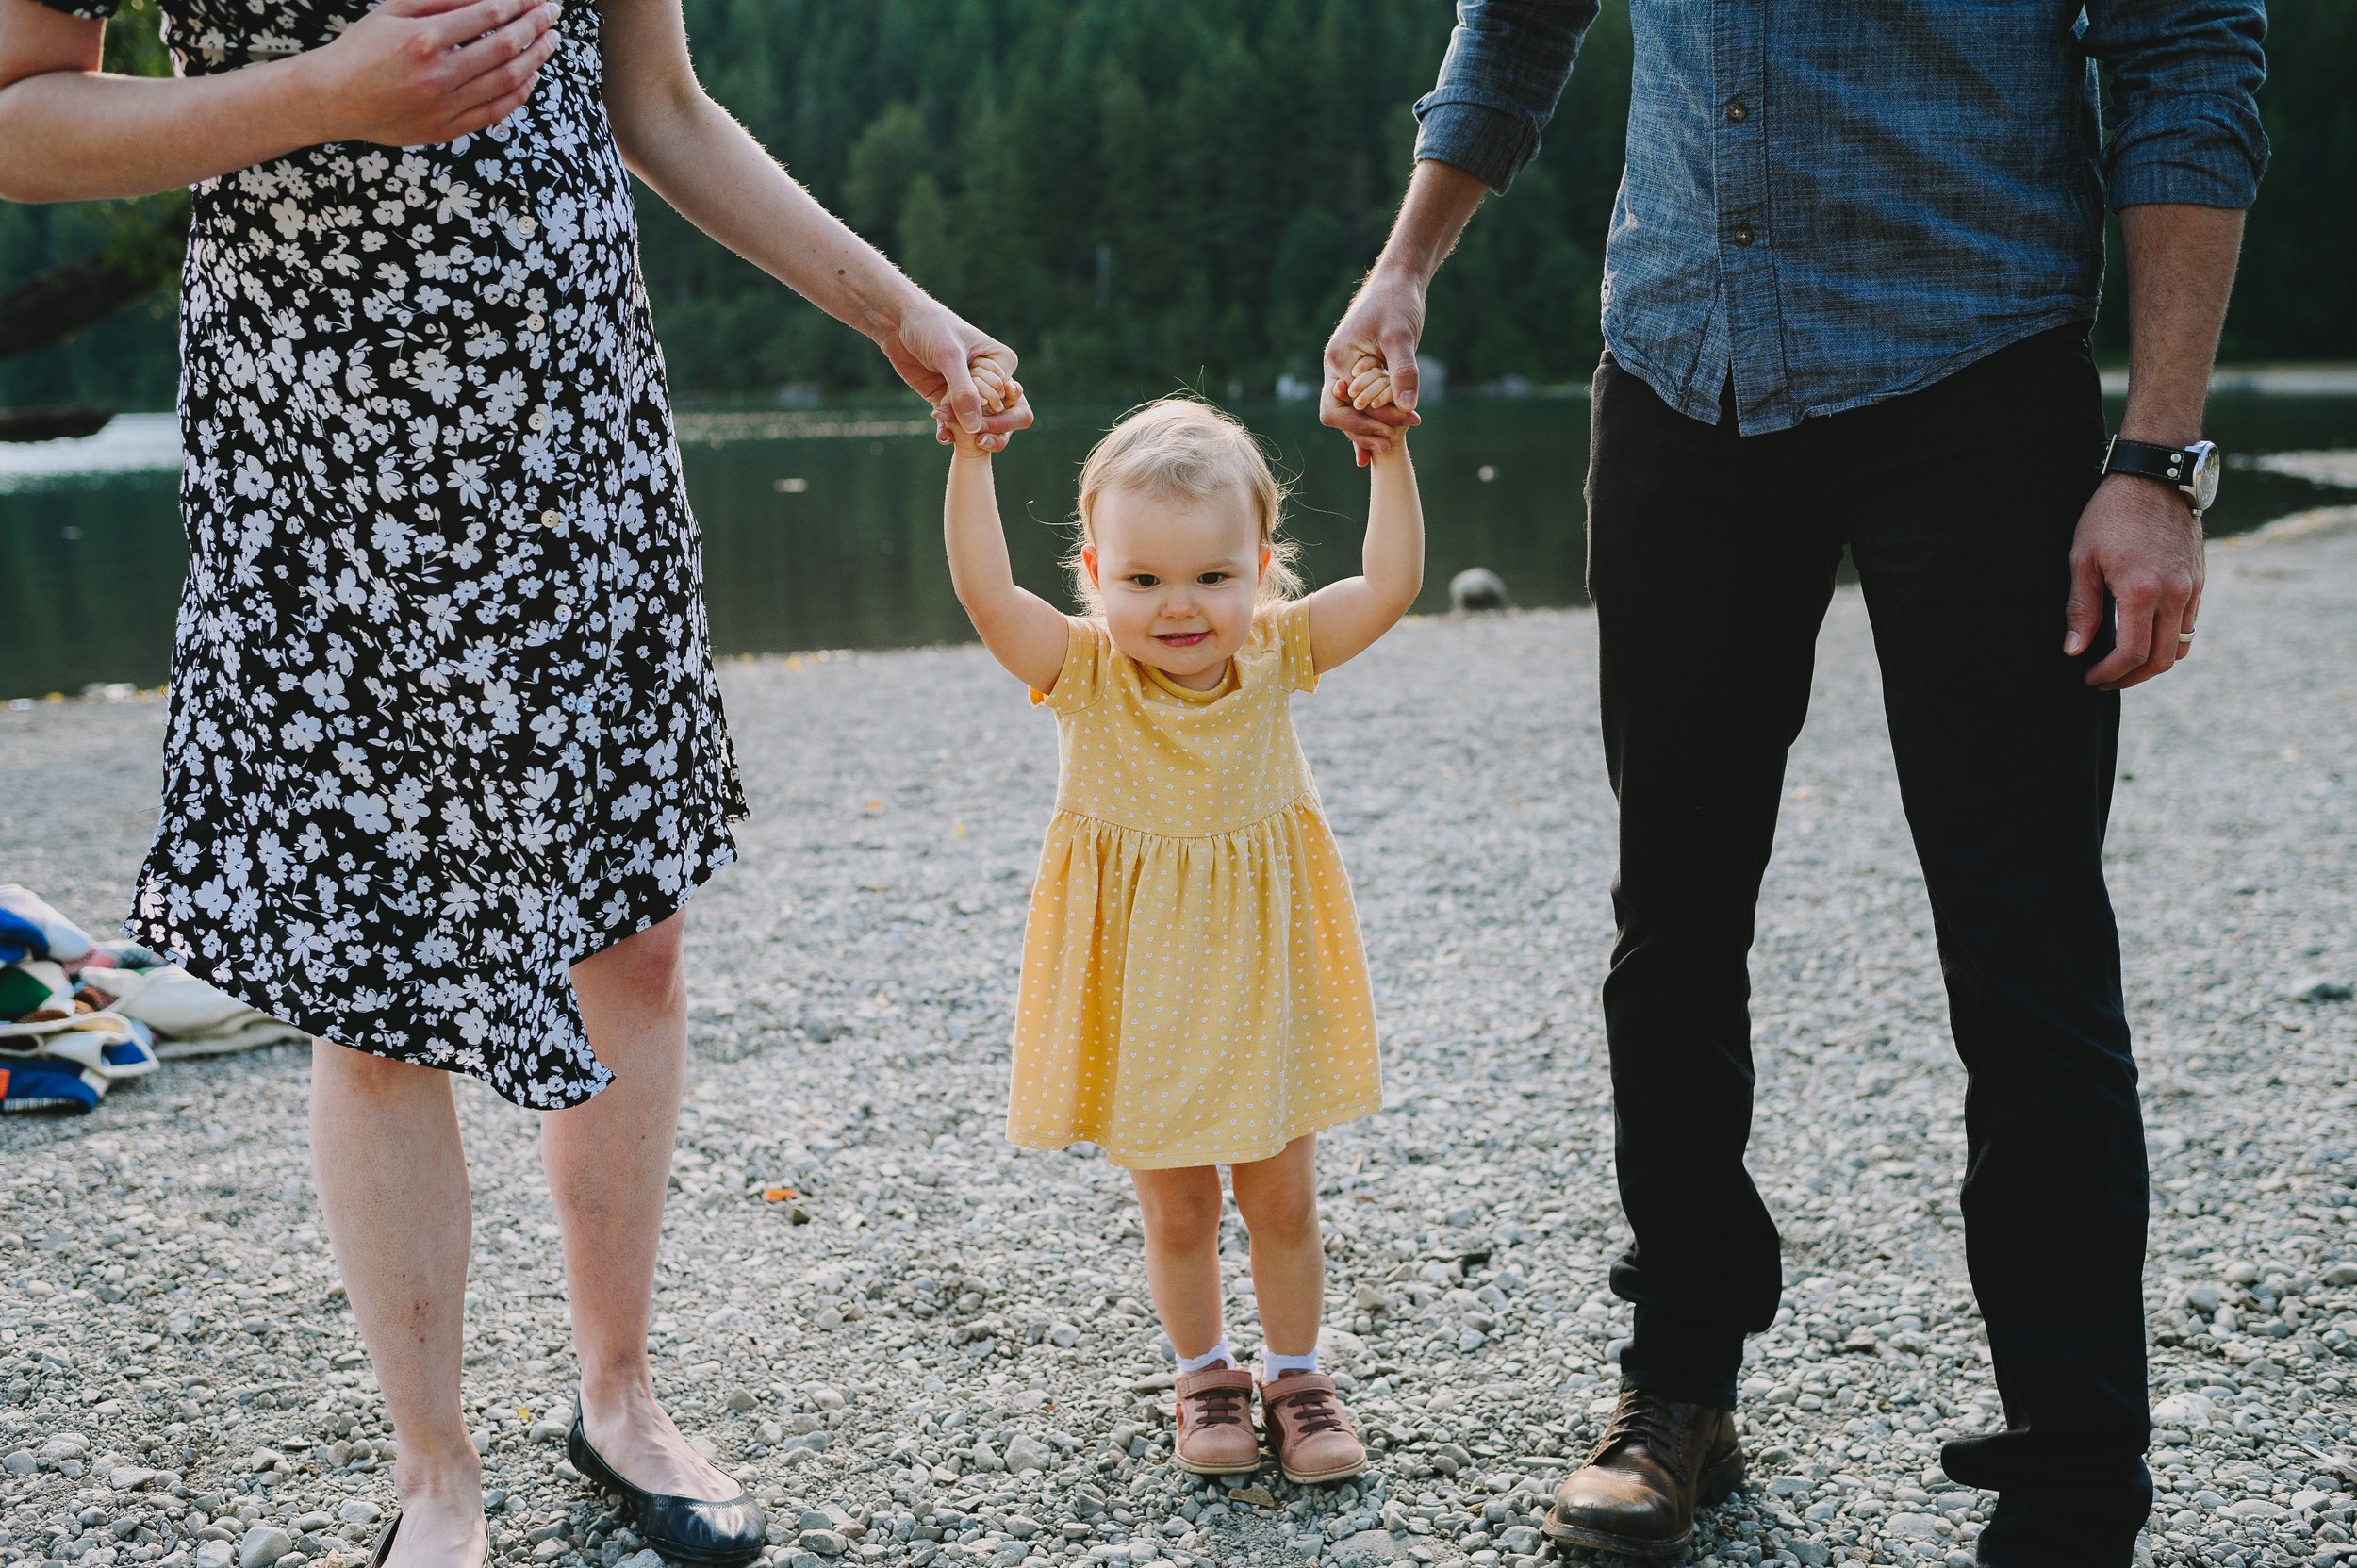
x=2183 y=637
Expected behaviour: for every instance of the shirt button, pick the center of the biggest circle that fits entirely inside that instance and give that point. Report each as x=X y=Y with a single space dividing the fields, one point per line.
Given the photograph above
x=539 y=420
x=1742 y=234
x=535 y=322
x=527 y=226
x=551 y=517
x=564 y=612
x=1737 y=112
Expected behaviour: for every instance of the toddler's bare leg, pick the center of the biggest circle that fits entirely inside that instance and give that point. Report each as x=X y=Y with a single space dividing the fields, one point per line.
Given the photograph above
x=1181 y=1210
x=1278 y=1200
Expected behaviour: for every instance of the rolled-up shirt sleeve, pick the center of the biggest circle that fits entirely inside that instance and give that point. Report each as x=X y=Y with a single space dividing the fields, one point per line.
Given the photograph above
x=1506 y=63
x=2182 y=122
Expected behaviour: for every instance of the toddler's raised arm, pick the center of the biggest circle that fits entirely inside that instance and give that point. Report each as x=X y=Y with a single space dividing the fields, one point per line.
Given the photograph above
x=1022 y=631
x=1346 y=618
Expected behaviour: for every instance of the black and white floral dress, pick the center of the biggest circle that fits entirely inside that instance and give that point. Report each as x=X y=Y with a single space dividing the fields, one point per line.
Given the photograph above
x=443 y=718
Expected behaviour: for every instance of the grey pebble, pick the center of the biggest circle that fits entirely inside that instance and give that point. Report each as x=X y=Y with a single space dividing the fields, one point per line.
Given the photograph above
x=993 y=1389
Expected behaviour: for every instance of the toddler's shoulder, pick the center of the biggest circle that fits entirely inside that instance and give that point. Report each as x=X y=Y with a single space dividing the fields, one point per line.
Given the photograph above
x=1282 y=630
x=1088 y=649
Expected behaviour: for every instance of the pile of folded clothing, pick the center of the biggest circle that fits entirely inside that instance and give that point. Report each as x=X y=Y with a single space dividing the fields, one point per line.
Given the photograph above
x=78 y=1017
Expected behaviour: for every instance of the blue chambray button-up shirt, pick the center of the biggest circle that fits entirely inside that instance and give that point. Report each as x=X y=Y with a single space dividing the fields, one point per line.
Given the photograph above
x=1831 y=203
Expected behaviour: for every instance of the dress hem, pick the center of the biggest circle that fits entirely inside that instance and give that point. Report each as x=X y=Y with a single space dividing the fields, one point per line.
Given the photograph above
x=1339 y=1118
x=317 y=1024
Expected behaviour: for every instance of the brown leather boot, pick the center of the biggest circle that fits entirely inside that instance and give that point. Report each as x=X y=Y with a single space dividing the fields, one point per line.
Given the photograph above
x=1215 y=1435
x=1657 y=1460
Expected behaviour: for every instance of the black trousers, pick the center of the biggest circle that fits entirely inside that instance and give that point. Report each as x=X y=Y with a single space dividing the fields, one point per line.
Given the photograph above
x=1711 y=560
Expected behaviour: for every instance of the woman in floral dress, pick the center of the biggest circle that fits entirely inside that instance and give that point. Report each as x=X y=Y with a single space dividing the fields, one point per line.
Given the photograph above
x=446 y=756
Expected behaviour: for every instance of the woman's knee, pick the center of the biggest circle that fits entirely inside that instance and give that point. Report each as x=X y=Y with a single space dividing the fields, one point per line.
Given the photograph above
x=345 y=1069
x=645 y=963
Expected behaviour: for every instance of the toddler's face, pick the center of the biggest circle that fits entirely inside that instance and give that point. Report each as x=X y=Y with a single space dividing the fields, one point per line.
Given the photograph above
x=1178 y=577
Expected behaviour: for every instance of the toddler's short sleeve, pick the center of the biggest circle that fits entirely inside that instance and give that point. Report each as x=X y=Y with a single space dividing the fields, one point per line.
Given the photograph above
x=93 y=11
x=1294 y=665
x=1087 y=645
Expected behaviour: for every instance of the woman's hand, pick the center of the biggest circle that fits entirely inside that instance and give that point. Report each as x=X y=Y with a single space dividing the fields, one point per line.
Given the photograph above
x=959 y=370
x=414 y=72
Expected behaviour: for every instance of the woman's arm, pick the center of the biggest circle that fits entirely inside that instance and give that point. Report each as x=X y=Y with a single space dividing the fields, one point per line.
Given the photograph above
x=411 y=71
x=1022 y=631
x=1346 y=618
x=704 y=163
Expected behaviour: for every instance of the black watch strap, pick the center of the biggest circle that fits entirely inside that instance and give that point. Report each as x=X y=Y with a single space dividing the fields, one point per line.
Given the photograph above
x=2170 y=465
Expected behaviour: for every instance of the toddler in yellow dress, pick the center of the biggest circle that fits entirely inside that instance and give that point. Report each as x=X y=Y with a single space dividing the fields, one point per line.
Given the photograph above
x=1193 y=991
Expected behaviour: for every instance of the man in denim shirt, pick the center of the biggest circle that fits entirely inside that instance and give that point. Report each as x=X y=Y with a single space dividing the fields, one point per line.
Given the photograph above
x=1846 y=298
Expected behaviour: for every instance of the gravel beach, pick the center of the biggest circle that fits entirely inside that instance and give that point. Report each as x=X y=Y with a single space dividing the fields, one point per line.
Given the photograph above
x=919 y=1345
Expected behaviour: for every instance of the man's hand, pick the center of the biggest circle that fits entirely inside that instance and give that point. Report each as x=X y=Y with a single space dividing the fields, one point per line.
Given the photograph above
x=1384 y=323
x=2138 y=537
x=2141 y=541
x=1381 y=327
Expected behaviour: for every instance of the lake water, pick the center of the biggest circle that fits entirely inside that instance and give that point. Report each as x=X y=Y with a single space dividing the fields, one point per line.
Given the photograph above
x=822 y=528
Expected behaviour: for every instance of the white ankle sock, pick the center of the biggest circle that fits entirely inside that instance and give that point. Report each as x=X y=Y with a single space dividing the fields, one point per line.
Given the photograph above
x=1189 y=1365
x=1273 y=1366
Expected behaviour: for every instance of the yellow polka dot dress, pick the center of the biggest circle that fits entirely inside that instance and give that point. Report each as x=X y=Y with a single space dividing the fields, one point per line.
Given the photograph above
x=1194 y=989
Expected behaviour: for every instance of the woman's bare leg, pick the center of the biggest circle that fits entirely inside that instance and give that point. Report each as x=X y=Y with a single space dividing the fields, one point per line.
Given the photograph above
x=1278 y=1200
x=393 y=1184
x=1180 y=1209
x=609 y=1164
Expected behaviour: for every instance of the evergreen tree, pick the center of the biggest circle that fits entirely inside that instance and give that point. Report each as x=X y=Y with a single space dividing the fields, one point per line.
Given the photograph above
x=1138 y=192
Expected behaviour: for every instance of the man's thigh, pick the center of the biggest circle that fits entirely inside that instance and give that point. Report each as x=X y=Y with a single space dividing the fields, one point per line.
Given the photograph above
x=1960 y=511
x=1709 y=581
x=1959 y=505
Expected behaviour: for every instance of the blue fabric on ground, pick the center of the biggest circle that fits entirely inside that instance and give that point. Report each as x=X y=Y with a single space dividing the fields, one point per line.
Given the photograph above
x=27 y=920
x=19 y=939
x=45 y=1084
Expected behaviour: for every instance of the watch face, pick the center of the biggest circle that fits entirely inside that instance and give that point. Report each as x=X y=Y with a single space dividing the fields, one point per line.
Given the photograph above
x=2204 y=481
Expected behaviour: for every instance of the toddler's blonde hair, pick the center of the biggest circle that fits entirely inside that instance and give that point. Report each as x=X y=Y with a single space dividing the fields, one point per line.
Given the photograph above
x=1183 y=448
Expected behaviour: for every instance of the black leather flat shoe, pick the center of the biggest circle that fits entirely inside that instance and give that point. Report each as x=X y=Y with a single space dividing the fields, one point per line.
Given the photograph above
x=384 y=1547
x=728 y=1533
x=385 y=1540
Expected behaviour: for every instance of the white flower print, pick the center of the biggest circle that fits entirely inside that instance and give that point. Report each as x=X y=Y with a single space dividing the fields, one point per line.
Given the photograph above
x=367 y=813
x=394 y=765
x=433 y=373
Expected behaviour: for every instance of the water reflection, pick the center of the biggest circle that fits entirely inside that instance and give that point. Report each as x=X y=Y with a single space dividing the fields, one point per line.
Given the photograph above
x=823 y=529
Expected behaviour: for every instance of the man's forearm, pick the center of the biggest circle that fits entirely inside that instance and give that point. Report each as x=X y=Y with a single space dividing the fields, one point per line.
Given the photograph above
x=2181 y=270
x=1440 y=202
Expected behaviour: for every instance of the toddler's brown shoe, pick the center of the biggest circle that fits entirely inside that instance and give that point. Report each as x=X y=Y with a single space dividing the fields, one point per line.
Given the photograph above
x=1215 y=1435
x=1309 y=1430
